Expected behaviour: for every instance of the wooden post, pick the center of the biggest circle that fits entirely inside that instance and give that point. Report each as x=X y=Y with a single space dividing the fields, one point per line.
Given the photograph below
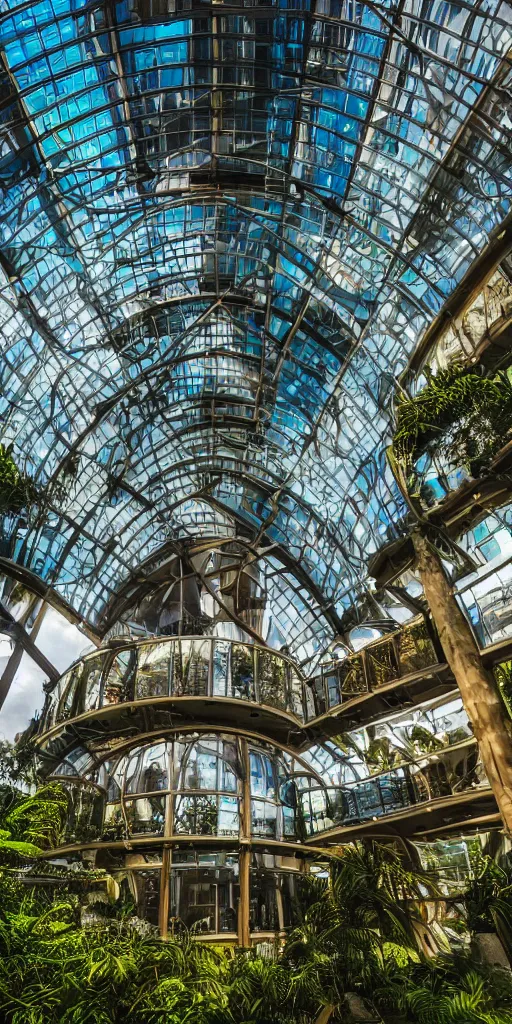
x=165 y=881
x=244 y=930
x=480 y=694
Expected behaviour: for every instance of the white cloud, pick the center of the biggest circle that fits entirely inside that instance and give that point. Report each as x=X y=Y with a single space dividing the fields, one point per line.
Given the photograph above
x=62 y=643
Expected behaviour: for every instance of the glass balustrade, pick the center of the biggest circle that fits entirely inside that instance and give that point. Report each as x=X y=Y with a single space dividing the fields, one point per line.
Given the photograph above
x=210 y=667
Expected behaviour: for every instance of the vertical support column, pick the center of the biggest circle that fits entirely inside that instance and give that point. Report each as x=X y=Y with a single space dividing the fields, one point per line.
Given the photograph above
x=163 y=918
x=244 y=933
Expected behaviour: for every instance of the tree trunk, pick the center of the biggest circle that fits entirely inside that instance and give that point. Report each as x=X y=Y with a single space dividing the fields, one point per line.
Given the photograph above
x=480 y=694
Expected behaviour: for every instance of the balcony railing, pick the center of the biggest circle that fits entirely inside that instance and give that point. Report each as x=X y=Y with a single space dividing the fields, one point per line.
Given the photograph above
x=406 y=652
x=217 y=668
x=177 y=667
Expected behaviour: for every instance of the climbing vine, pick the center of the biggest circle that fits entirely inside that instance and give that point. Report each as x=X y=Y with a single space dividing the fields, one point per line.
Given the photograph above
x=460 y=415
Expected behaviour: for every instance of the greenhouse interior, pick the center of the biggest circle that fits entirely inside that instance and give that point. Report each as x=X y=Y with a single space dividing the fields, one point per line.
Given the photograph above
x=256 y=511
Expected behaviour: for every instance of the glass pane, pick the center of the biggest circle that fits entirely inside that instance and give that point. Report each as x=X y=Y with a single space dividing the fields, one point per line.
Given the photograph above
x=146 y=815
x=228 y=824
x=272 y=680
x=319 y=695
x=207 y=763
x=153 y=672
x=263 y=908
x=263 y=818
x=242 y=672
x=195 y=662
x=195 y=815
x=205 y=898
x=69 y=685
x=147 y=770
x=415 y=648
x=120 y=682
x=221 y=668
x=332 y=684
x=146 y=886
x=262 y=775
x=296 y=688
x=90 y=683
x=352 y=677
x=382 y=662
x=114 y=827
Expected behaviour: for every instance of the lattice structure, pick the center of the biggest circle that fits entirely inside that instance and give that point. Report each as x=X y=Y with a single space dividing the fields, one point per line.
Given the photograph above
x=223 y=229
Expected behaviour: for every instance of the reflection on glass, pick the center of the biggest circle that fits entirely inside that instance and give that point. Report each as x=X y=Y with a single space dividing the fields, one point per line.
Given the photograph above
x=262 y=774
x=147 y=770
x=208 y=765
x=272 y=680
x=415 y=648
x=146 y=815
x=206 y=814
x=221 y=668
x=90 y=683
x=382 y=663
x=352 y=676
x=332 y=684
x=263 y=819
x=205 y=894
x=114 y=826
x=195 y=667
x=145 y=885
x=273 y=896
x=120 y=681
x=153 y=672
x=242 y=672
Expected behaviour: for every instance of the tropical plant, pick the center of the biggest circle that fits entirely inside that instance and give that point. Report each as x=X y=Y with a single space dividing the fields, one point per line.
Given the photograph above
x=39 y=819
x=445 y=990
x=17 y=490
x=488 y=901
x=460 y=414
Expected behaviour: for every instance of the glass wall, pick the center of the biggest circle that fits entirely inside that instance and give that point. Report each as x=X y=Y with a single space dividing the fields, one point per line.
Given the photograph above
x=273 y=896
x=187 y=667
x=204 y=892
x=195 y=785
x=408 y=651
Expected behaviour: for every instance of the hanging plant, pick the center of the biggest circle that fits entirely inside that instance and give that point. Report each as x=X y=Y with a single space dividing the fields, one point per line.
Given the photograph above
x=17 y=491
x=460 y=415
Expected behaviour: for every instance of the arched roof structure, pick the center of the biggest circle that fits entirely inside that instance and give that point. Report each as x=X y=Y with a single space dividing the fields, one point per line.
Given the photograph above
x=223 y=229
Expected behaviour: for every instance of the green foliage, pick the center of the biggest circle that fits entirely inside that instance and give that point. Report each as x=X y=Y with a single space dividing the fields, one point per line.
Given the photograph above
x=39 y=819
x=488 y=901
x=461 y=415
x=355 y=936
x=17 y=491
x=18 y=763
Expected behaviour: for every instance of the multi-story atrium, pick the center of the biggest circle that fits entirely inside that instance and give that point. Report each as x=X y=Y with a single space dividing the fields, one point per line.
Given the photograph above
x=236 y=240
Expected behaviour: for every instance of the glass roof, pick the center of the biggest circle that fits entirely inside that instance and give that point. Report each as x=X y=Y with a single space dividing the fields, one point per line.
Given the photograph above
x=223 y=229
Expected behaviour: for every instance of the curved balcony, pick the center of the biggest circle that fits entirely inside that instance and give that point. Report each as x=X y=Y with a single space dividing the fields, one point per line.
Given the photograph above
x=137 y=685
x=140 y=686
x=368 y=683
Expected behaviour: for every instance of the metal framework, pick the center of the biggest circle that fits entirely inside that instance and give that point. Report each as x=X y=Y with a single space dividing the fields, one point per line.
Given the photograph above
x=223 y=230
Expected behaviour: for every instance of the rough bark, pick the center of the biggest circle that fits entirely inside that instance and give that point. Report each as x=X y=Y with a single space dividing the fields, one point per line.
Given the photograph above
x=491 y=949
x=480 y=694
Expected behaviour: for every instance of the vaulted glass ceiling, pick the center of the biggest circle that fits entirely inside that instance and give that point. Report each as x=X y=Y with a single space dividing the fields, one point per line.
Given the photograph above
x=223 y=229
